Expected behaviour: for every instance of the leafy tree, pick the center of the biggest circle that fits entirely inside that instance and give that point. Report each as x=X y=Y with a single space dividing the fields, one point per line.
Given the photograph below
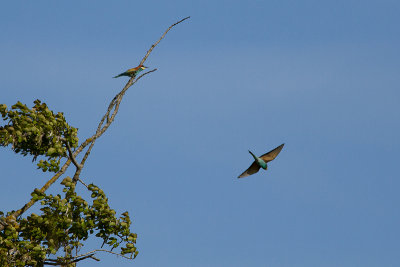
x=66 y=220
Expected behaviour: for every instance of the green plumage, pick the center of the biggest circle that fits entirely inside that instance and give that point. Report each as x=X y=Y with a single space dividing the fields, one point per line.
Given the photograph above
x=132 y=72
x=261 y=162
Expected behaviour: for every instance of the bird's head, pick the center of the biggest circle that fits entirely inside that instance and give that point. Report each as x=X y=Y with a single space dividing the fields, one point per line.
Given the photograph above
x=143 y=67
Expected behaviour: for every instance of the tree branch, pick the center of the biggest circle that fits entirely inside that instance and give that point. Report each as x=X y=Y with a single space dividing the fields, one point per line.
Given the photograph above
x=156 y=43
x=64 y=262
x=83 y=257
x=71 y=156
x=43 y=189
x=104 y=250
x=114 y=105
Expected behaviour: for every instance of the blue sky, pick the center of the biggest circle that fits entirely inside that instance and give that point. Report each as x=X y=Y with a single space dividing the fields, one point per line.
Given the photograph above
x=320 y=76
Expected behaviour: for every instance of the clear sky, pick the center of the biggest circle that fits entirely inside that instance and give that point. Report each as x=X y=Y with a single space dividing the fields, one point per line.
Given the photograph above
x=320 y=76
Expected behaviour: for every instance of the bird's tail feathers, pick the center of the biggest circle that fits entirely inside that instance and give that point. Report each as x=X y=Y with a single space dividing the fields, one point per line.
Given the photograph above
x=253 y=155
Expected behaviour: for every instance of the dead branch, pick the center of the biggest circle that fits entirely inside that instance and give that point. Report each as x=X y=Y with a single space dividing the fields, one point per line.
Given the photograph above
x=113 y=107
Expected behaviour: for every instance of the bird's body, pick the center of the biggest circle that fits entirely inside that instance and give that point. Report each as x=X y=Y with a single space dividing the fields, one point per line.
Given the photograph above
x=261 y=162
x=132 y=72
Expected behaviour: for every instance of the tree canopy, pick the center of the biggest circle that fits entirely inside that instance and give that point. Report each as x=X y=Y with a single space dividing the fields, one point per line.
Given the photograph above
x=66 y=219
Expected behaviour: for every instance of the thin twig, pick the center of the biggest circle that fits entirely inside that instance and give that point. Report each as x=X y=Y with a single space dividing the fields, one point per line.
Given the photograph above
x=84 y=256
x=156 y=43
x=93 y=257
x=71 y=156
x=104 y=250
x=114 y=102
x=114 y=105
x=83 y=183
x=100 y=130
x=63 y=262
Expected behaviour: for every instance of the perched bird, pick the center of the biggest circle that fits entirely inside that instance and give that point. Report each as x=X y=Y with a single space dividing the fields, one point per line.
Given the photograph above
x=261 y=162
x=132 y=72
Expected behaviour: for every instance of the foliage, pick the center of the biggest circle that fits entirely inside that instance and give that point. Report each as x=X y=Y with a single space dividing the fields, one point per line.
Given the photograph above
x=38 y=132
x=65 y=221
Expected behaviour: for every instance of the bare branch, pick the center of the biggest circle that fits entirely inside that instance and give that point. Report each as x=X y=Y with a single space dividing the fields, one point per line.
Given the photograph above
x=71 y=156
x=118 y=98
x=83 y=183
x=93 y=257
x=156 y=43
x=83 y=257
x=113 y=106
x=68 y=261
x=104 y=250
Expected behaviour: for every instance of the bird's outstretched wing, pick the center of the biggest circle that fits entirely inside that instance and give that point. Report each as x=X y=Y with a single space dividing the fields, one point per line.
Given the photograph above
x=119 y=75
x=130 y=73
x=251 y=170
x=272 y=154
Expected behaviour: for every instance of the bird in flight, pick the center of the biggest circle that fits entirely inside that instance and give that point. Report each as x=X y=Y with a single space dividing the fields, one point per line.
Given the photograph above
x=261 y=162
x=132 y=72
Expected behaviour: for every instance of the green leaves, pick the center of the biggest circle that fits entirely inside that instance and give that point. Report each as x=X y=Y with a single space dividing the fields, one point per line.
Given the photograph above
x=37 y=132
x=114 y=231
x=64 y=222
x=15 y=251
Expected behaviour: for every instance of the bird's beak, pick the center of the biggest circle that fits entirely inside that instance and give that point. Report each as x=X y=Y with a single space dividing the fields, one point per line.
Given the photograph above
x=144 y=67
